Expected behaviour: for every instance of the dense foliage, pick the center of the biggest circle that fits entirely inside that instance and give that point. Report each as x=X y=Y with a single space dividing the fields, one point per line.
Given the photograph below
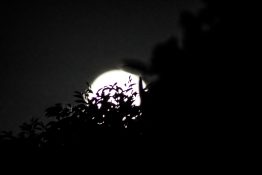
x=110 y=115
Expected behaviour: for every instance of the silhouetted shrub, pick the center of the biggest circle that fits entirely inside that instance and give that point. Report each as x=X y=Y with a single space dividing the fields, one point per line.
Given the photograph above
x=110 y=116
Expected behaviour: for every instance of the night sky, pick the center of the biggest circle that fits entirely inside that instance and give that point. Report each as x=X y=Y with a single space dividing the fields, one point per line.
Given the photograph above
x=50 y=49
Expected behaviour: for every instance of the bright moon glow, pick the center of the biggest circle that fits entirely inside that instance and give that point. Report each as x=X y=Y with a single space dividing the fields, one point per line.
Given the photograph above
x=121 y=78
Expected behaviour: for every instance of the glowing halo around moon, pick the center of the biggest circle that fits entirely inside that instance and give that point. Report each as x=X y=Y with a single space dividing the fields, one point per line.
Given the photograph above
x=120 y=77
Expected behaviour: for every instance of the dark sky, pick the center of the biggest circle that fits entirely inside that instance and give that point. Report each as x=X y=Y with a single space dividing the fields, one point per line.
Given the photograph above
x=50 y=49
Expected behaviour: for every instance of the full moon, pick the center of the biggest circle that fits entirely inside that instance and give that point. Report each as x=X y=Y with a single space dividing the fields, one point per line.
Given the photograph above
x=122 y=78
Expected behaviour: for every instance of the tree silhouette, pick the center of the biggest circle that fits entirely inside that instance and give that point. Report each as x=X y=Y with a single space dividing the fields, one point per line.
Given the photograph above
x=93 y=122
x=195 y=100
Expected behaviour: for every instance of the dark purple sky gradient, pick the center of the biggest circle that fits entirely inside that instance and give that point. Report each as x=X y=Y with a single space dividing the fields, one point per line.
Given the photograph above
x=49 y=50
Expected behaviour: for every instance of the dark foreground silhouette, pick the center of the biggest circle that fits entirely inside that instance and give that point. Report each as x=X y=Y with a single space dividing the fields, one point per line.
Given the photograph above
x=188 y=115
